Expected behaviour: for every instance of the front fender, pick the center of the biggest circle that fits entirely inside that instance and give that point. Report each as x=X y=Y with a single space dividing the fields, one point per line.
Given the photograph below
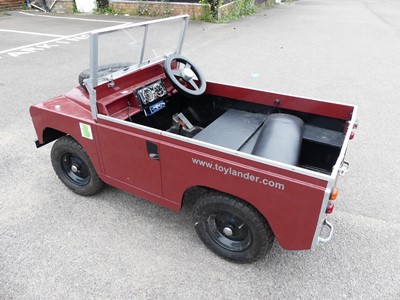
x=60 y=116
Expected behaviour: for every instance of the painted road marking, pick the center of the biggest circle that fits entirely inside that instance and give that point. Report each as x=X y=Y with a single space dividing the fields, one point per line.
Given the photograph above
x=75 y=19
x=26 y=49
x=31 y=33
x=40 y=46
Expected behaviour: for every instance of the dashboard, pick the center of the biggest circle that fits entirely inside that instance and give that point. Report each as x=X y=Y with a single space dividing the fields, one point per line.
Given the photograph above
x=151 y=97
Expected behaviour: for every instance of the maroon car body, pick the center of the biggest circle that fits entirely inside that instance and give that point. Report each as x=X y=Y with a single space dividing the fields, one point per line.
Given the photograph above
x=152 y=151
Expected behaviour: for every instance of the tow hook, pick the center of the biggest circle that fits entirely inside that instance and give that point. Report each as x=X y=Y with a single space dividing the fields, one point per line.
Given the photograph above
x=328 y=238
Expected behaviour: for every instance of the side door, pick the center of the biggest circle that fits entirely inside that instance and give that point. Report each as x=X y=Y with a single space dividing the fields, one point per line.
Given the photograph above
x=130 y=156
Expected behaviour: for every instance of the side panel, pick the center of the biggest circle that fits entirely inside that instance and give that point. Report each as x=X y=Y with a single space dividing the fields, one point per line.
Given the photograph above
x=313 y=106
x=65 y=115
x=290 y=202
x=130 y=158
x=126 y=156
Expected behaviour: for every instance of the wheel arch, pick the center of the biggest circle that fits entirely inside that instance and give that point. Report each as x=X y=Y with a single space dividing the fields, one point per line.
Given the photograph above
x=49 y=135
x=199 y=189
x=231 y=227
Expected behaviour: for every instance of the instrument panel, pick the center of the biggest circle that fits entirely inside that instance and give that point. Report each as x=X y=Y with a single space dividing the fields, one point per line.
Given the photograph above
x=150 y=97
x=151 y=92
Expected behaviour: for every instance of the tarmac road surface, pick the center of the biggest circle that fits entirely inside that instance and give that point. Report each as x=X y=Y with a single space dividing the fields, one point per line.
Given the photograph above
x=58 y=245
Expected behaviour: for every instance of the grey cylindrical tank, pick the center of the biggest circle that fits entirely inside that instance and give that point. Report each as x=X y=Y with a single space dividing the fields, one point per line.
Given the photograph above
x=280 y=138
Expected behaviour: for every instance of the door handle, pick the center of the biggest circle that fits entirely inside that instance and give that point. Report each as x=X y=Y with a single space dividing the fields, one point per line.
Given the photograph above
x=154 y=156
x=152 y=150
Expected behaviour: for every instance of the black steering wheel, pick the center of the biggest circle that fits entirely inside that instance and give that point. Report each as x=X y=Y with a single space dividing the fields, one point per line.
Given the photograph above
x=186 y=77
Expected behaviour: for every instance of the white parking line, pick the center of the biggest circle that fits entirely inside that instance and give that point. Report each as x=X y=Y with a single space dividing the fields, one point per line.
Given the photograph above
x=75 y=19
x=45 y=42
x=31 y=33
x=60 y=39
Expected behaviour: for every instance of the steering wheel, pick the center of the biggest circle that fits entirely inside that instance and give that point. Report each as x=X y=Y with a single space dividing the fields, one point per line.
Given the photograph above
x=188 y=79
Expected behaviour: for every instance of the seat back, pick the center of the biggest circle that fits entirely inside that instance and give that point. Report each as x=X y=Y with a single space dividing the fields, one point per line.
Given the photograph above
x=280 y=138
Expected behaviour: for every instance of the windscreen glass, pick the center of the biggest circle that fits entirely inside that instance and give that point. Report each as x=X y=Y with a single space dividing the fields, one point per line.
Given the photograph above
x=128 y=47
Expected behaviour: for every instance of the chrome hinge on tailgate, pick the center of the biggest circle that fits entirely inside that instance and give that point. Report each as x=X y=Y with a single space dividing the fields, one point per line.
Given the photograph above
x=344 y=168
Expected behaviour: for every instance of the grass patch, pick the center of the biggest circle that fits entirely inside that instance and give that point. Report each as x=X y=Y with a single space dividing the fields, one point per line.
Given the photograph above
x=219 y=13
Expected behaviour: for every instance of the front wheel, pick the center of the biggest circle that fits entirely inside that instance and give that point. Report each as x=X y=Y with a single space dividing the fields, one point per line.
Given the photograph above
x=232 y=228
x=74 y=168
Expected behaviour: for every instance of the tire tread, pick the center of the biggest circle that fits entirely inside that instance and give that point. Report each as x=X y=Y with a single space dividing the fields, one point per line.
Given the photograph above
x=262 y=226
x=68 y=143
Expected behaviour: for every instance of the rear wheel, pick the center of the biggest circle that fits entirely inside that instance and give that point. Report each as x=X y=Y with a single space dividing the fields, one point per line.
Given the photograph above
x=232 y=228
x=74 y=168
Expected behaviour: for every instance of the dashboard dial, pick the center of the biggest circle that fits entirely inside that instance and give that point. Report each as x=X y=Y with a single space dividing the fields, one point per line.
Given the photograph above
x=147 y=95
x=159 y=89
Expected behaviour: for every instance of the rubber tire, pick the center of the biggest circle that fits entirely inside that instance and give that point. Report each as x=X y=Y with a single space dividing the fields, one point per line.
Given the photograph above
x=103 y=70
x=262 y=236
x=64 y=147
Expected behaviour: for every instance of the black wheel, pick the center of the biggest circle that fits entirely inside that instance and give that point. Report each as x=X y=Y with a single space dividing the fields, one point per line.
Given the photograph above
x=103 y=71
x=232 y=228
x=74 y=168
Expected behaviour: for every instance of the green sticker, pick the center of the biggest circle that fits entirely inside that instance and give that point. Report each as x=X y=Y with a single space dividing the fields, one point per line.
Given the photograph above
x=86 y=131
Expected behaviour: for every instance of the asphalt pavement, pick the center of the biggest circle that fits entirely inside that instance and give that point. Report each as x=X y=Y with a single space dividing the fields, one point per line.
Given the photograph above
x=55 y=244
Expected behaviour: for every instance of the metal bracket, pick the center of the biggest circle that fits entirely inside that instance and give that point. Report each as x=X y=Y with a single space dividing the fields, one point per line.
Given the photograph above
x=344 y=168
x=110 y=82
x=92 y=94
